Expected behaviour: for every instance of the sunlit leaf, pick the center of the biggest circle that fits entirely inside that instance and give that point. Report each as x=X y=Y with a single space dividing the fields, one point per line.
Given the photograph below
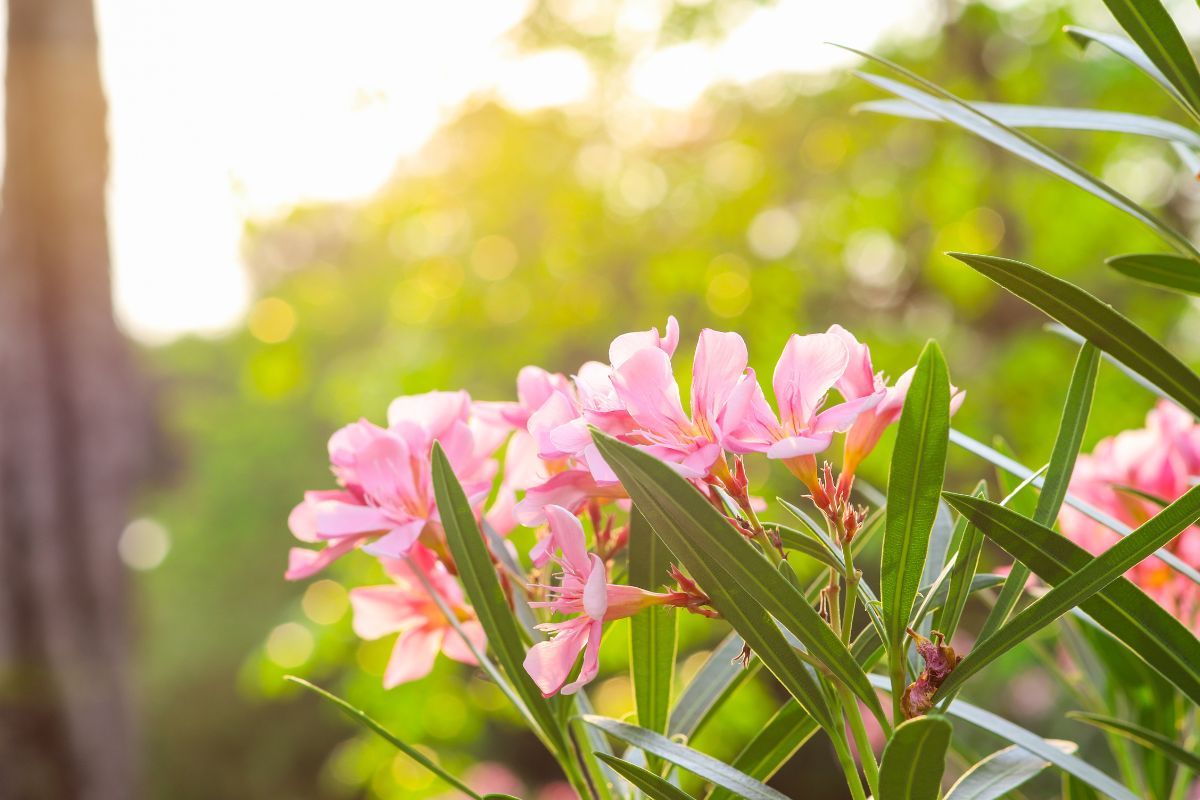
x=1001 y=772
x=686 y=758
x=772 y=746
x=652 y=633
x=718 y=677
x=969 y=546
x=1152 y=740
x=1160 y=269
x=649 y=783
x=1151 y=27
x=1094 y=584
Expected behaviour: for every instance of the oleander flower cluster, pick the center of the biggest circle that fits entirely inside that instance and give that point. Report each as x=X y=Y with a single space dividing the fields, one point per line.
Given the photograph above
x=1131 y=476
x=532 y=462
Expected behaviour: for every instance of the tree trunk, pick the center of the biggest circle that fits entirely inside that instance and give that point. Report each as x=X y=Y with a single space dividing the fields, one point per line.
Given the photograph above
x=73 y=426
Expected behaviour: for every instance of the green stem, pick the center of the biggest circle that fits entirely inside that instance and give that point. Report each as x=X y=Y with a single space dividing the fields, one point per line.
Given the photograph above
x=842 y=747
x=861 y=741
x=899 y=674
x=852 y=579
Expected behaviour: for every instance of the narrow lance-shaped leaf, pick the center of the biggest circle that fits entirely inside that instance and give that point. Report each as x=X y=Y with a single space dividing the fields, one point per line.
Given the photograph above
x=652 y=785
x=412 y=752
x=1079 y=119
x=736 y=605
x=652 y=633
x=914 y=483
x=1071 y=426
x=1001 y=772
x=772 y=746
x=1027 y=740
x=483 y=589
x=1152 y=740
x=963 y=114
x=684 y=519
x=1076 y=588
x=1095 y=321
x=1134 y=55
x=1160 y=269
x=685 y=757
x=1151 y=27
x=914 y=759
x=966 y=564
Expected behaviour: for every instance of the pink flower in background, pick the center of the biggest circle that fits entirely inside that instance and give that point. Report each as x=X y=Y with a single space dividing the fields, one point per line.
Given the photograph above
x=1159 y=460
x=386 y=501
x=406 y=608
x=807 y=369
x=584 y=591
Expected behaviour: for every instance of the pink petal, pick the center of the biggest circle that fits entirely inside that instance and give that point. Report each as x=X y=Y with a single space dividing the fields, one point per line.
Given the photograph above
x=397 y=542
x=794 y=446
x=304 y=563
x=859 y=378
x=454 y=647
x=595 y=590
x=550 y=662
x=718 y=367
x=432 y=411
x=303 y=520
x=413 y=656
x=627 y=344
x=839 y=418
x=807 y=370
x=335 y=519
x=646 y=385
x=381 y=610
x=535 y=385
x=568 y=535
x=591 y=659
x=569 y=489
x=558 y=411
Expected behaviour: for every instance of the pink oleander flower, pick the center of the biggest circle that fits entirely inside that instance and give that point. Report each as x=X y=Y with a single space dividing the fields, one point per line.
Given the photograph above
x=386 y=501
x=406 y=608
x=809 y=367
x=1160 y=460
x=861 y=380
x=583 y=590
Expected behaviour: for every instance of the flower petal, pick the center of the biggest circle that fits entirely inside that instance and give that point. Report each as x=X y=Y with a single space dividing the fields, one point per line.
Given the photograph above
x=807 y=370
x=413 y=656
x=550 y=662
x=719 y=366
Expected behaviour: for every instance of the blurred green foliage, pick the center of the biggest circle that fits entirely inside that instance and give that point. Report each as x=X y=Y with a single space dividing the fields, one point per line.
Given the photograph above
x=513 y=240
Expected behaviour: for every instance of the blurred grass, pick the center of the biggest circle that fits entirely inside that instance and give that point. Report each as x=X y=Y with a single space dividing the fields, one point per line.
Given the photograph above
x=534 y=240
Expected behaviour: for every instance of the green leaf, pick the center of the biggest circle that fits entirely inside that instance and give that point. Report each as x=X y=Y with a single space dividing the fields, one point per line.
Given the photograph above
x=1151 y=27
x=1094 y=584
x=1079 y=119
x=1001 y=772
x=1075 y=789
x=1129 y=51
x=917 y=470
x=704 y=540
x=719 y=676
x=361 y=716
x=914 y=759
x=1071 y=426
x=652 y=785
x=483 y=589
x=1095 y=321
x=1152 y=740
x=966 y=564
x=772 y=746
x=1160 y=269
x=795 y=541
x=652 y=633
x=686 y=758
x=1027 y=740
x=1012 y=467
x=961 y=113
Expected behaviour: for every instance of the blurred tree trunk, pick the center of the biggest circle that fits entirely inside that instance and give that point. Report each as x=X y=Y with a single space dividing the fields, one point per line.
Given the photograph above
x=73 y=426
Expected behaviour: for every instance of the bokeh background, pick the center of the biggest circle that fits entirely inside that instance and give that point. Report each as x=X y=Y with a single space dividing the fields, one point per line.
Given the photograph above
x=317 y=208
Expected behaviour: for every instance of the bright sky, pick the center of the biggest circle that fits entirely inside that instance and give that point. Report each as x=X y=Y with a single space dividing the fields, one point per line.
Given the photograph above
x=227 y=110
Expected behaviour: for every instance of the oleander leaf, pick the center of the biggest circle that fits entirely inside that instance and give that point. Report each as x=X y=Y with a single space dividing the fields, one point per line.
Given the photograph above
x=1152 y=740
x=1092 y=583
x=1152 y=29
x=695 y=762
x=917 y=471
x=653 y=632
x=1160 y=269
x=650 y=784
x=1002 y=772
x=1027 y=740
x=719 y=676
x=1095 y=321
x=772 y=746
x=482 y=587
x=914 y=759
x=966 y=563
